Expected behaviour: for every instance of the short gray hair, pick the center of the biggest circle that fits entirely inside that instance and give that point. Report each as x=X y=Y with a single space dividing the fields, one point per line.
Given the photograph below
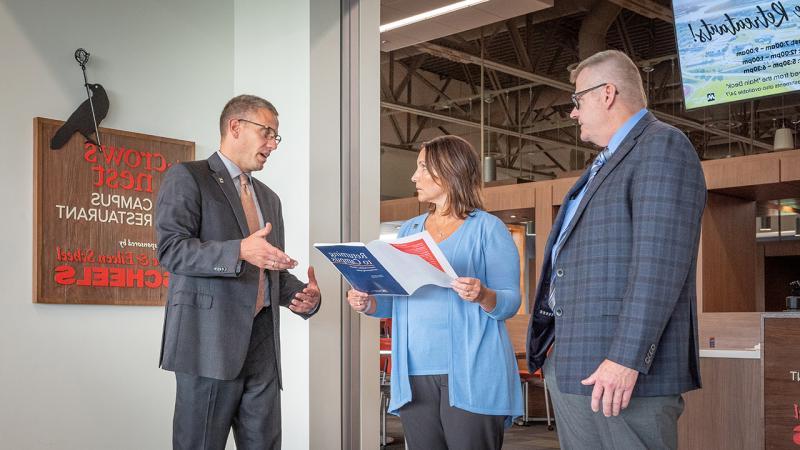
x=617 y=69
x=242 y=105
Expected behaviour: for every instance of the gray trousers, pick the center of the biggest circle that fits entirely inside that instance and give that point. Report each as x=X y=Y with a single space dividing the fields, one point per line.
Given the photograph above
x=647 y=422
x=430 y=423
x=206 y=409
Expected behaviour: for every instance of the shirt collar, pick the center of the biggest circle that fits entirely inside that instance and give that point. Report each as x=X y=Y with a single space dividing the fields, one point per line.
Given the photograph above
x=233 y=169
x=623 y=131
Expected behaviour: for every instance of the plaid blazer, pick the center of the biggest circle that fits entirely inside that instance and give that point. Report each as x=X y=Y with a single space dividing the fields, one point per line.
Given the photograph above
x=625 y=284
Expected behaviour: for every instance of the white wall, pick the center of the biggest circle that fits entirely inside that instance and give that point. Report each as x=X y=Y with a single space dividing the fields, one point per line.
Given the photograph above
x=87 y=377
x=272 y=61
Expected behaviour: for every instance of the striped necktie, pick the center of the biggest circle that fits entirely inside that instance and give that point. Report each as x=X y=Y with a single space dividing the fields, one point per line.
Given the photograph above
x=249 y=206
x=598 y=163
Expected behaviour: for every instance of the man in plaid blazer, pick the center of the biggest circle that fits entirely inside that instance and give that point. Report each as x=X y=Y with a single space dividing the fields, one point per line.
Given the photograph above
x=616 y=298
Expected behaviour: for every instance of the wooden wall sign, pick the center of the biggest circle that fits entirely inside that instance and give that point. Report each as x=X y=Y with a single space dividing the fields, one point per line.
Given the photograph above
x=94 y=237
x=781 y=353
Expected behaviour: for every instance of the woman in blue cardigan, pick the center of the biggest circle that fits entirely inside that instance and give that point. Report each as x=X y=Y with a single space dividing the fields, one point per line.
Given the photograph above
x=455 y=382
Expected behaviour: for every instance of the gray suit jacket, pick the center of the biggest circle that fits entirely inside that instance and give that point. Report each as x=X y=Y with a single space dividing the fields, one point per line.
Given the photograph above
x=209 y=312
x=625 y=284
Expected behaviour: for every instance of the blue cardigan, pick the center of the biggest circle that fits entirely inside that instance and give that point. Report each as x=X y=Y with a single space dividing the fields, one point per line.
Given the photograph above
x=482 y=374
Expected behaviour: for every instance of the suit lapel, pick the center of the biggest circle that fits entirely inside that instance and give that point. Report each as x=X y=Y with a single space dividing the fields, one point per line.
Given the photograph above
x=624 y=149
x=223 y=179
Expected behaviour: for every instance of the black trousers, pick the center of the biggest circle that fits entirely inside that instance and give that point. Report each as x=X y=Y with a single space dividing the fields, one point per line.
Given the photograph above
x=430 y=423
x=207 y=409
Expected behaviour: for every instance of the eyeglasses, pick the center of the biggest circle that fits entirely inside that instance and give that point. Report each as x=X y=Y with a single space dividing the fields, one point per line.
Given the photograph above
x=266 y=132
x=576 y=97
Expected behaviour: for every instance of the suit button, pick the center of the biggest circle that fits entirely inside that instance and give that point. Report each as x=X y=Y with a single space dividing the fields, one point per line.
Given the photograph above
x=560 y=273
x=648 y=359
x=653 y=347
x=559 y=312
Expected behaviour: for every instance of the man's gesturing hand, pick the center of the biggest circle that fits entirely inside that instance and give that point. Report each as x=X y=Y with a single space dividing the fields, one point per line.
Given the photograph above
x=613 y=385
x=257 y=251
x=306 y=300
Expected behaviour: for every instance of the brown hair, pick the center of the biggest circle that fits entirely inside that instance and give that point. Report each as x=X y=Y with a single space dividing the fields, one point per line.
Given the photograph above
x=242 y=105
x=454 y=165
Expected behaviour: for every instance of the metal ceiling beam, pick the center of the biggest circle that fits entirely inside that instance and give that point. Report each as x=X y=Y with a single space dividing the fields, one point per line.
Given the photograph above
x=675 y=120
x=647 y=8
x=468 y=123
x=464 y=57
x=519 y=46
x=468 y=58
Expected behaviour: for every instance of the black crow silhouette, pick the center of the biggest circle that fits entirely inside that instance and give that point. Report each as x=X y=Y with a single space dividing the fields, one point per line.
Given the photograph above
x=81 y=120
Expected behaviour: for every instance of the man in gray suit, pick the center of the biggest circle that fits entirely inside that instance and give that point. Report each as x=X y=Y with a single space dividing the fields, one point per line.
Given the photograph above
x=221 y=237
x=617 y=295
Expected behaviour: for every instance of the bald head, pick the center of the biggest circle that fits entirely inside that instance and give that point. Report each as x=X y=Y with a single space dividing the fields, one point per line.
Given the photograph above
x=614 y=67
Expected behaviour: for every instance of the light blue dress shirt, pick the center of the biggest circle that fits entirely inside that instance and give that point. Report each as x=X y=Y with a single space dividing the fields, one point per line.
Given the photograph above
x=572 y=204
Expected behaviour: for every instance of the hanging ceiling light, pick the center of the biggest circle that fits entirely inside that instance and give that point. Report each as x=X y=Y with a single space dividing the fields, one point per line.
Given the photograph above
x=784 y=140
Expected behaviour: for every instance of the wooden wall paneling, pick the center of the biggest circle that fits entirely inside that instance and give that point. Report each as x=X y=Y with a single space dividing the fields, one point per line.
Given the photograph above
x=560 y=188
x=518 y=235
x=742 y=171
x=517 y=327
x=790 y=165
x=399 y=209
x=699 y=277
x=729 y=247
x=759 y=277
x=730 y=330
x=543 y=223
x=782 y=248
x=781 y=380
x=515 y=196
x=727 y=412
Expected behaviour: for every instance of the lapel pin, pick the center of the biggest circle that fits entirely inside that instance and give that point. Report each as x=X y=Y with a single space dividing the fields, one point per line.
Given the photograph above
x=221 y=180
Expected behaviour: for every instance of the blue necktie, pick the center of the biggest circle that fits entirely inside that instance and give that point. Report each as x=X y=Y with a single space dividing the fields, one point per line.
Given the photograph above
x=601 y=159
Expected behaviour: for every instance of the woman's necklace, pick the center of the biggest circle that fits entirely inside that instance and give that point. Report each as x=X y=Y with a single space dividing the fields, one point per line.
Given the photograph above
x=442 y=231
